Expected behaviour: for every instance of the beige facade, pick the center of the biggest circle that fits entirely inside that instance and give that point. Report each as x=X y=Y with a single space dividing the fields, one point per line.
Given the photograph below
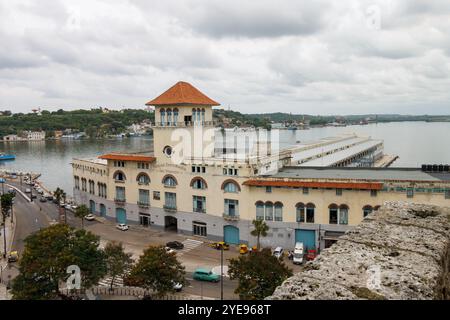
x=299 y=204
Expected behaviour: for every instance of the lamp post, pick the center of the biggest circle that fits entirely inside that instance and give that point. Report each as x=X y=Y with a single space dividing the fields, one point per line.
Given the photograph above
x=221 y=274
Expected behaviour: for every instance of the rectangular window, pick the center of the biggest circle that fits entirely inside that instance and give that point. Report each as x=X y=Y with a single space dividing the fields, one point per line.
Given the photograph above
x=170 y=200
x=199 y=204
x=193 y=169
x=199 y=229
x=156 y=195
x=410 y=192
x=203 y=169
x=268 y=189
x=339 y=192
x=447 y=194
x=120 y=193
x=231 y=207
x=260 y=211
x=373 y=193
x=144 y=197
x=305 y=190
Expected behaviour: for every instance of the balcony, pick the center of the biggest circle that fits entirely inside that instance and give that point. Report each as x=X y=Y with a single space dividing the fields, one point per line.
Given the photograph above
x=230 y=217
x=120 y=202
x=119 y=181
x=200 y=210
x=170 y=208
x=143 y=205
x=185 y=124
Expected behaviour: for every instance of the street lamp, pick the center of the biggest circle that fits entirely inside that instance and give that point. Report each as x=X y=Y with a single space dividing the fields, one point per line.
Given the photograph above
x=221 y=273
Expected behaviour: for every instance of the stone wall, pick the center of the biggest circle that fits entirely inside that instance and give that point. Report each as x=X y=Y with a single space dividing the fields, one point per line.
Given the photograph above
x=402 y=251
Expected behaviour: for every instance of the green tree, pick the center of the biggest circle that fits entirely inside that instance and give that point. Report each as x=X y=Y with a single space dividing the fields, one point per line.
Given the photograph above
x=260 y=230
x=46 y=256
x=258 y=274
x=81 y=212
x=157 y=270
x=59 y=195
x=118 y=262
x=6 y=202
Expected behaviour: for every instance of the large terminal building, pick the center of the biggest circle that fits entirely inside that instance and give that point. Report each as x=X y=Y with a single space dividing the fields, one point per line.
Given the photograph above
x=190 y=186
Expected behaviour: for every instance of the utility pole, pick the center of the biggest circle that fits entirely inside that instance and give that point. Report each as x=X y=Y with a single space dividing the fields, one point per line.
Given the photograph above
x=221 y=274
x=4 y=236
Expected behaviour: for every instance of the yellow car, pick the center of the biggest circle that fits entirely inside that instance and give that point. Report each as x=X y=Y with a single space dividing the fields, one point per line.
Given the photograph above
x=221 y=246
x=243 y=249
x=13 y=256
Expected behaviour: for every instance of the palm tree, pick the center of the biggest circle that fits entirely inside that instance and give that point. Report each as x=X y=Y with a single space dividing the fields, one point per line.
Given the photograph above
x=260 y=230
x=59 y=195
x=81 y=212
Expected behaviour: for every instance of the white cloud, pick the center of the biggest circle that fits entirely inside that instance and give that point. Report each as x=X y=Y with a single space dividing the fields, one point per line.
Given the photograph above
x=293 y=56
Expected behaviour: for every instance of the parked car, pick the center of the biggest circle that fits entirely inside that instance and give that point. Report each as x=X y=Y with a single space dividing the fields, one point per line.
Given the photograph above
x=175 y=245
x=278 y=252
x=89 y=217
x=68 y=207
x=27 y=190
x=122 y=227
x=205 y=275
x=13 y=256
x=298 y=253
x=169 y=250
x=49 y=197
x=42 y=199
x=177 y=286
x=74 y=207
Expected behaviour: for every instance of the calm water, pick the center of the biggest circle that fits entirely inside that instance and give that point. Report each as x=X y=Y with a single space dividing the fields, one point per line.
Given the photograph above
x=415 y=142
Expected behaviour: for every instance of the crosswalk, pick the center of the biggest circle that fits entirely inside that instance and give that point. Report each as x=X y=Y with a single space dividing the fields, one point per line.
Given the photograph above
x=106 y=282
x=189 y=244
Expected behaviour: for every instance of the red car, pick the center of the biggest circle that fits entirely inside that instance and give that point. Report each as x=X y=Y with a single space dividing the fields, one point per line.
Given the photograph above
x=311 y=255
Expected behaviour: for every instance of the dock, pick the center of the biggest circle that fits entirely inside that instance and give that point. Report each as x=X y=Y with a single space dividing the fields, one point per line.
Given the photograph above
x=385 y=161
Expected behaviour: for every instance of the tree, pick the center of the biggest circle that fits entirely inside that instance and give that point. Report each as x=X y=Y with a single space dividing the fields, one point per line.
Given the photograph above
x=258 y=274
x=260 y=230
x=157 y=270
x=59 y=195
x=6 y=202
x=47 y=255
x=117 y=260
x=81 y=212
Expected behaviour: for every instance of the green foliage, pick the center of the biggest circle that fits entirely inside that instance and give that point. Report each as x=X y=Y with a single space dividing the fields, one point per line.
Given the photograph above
x=258 y=273
x=6 y=201
x=117 y=260
x=157 y=270
x=260 y=230
x=81 y=212
x=94 y=121
x=47 y=255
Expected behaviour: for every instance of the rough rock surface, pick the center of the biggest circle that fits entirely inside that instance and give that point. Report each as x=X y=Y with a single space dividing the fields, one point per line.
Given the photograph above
x=402 y=251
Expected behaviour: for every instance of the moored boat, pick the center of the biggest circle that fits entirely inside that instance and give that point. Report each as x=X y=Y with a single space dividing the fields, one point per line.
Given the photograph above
x=7 y=156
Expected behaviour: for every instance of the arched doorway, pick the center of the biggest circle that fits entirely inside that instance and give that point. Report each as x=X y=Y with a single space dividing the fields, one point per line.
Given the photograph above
x=102 y=210
x=231 y=234
x=92 y=206
x=121 y=216
x=171 y=223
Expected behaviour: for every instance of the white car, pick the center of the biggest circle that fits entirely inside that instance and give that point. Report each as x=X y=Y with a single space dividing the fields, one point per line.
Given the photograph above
x=278 y=252
x=177 y=286
x=27 y=190
x=68 y=206
x=89 y=217
x=122 y=227
x=169 y=250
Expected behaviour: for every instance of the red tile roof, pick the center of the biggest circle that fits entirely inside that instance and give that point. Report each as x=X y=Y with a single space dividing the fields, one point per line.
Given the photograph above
x=127 y=157
x=182 y=93
x=313 y=184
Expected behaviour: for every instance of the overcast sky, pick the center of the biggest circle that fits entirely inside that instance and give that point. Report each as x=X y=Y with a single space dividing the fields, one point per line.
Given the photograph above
x=314 y=57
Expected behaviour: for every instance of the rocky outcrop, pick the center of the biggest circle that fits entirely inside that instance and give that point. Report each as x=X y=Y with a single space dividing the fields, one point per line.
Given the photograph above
x=402 y=251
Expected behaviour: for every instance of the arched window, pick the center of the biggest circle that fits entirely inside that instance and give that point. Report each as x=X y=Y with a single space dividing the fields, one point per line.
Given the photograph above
x=169 y=181
x=343 y=214
x=163 y=116
x=310 y=209
x=194 y=115
x=203 y=115
x=268 y=212
x=278 y=212
x=199 y=183
x=175 y=116
x=198 y=115
x=300 y=212
x=260 y=210
x=169 y=117
x=119 y=176
x=367 y=210
x=333 y=212
x=143 y=178
x=230 y=186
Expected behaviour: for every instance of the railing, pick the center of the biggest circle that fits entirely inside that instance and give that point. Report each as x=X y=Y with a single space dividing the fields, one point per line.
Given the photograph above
x=185 y=124
x=119 y=181
x=143 y=204
x=170 y=208
x=200 y=210
x=230 y=217
x=120 y=201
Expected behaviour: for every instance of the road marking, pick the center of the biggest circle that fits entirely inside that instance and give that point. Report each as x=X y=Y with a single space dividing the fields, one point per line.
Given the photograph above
x=216 y=270
x=189 y=244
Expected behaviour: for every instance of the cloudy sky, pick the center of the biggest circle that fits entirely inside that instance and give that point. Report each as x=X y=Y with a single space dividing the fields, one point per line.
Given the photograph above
x=315 y=57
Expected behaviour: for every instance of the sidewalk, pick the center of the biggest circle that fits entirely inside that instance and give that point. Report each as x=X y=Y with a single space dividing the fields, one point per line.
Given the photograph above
x=3 y=262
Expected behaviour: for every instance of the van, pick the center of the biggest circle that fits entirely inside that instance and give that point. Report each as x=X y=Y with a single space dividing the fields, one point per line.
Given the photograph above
x=298 y=253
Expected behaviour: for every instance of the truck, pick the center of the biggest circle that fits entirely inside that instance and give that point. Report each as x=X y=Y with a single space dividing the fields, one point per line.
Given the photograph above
x=298 y=253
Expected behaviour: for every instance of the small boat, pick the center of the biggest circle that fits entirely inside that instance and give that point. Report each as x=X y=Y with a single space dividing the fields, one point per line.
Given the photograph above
x=7 y=156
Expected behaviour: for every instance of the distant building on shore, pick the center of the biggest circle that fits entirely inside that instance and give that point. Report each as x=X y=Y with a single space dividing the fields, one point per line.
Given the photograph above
x=26 y=136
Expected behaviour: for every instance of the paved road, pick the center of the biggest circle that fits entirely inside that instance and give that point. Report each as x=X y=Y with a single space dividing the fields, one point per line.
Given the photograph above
x=32 y=216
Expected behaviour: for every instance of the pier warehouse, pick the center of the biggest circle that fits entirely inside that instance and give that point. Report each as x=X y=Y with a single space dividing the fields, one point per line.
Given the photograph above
x=216 y=195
